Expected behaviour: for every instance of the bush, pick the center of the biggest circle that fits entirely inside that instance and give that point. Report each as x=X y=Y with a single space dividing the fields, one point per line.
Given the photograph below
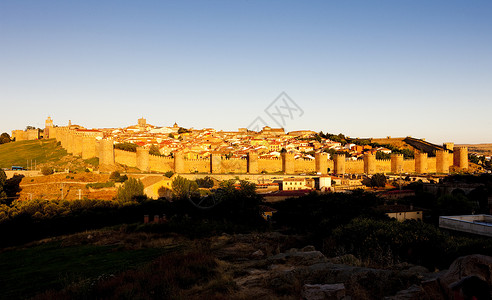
x=47 y=171
x=169 y=174
x=100 y=185
x=132 y=190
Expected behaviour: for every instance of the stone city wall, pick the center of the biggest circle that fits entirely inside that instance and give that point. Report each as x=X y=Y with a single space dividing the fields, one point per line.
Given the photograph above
x=80 y=144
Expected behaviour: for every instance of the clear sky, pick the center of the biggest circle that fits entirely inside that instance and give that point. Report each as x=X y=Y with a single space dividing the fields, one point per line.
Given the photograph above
x=363 y=68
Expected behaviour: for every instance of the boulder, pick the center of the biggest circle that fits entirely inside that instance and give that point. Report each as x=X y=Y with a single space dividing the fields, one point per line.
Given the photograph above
x=323 y=291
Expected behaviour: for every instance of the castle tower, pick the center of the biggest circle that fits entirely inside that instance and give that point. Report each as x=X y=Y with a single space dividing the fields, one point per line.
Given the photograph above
x=321 y=163
x=460 y=157
x=339 y=164
x=179 y=166
x=442 y=161
x=142 y=123
x=106 y=152
x=421 y=163
x=143 y=158
x=215 y=162
x=396 y=163
x=288 y=160
x=48 y=124
x=369 y=163
x=89 y=149
x=253 y=162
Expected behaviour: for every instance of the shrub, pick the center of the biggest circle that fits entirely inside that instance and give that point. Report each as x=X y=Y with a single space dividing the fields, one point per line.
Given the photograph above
x=169 y=174
x=100 y=185
x=46 y=171
x=132 y=190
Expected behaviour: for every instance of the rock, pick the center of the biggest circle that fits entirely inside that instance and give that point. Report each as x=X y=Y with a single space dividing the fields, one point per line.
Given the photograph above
x=477 y=264
x=257 y=254
x=323 y=291
x=414 y=292
x=296 y=257
x=308 y=249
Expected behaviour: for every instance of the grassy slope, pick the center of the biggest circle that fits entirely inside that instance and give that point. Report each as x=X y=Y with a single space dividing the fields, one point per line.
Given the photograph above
x=28 y=271
x=40 y=151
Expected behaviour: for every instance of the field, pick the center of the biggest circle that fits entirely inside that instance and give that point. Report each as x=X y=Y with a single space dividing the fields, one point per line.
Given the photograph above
x=80 y=260
x=483 y=149
x=39 y=153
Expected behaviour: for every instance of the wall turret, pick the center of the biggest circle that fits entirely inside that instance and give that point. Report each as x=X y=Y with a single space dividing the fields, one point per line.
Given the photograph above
x=339 y=164
x=442 y=164
x=369 y=163
x=396 y=163
x=321 y=163
x=253 y=162
x=106 y=152
x=179 y=166
x=288 y=161
x=420 y=162
x=460 y=158
x=215 y=163
x=143 y=157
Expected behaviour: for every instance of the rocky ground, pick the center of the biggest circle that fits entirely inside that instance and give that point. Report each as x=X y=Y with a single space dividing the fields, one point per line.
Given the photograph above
x=263 y=269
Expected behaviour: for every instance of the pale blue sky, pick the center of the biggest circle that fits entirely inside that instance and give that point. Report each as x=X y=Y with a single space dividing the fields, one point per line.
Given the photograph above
x=362 y=68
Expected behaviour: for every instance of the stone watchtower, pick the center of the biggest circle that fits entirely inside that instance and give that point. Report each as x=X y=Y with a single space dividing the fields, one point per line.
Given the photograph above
x=420 y=163
x=253 y=162
x=460 y=157
x=48 y=124
x=442 y=161
x=369 y=163
x=106 y=152
x=288 y=163
x=143 y=159
x=179 y=166
x=396 y=163
x=321 y=163
x=215 y=162
x=339 y=164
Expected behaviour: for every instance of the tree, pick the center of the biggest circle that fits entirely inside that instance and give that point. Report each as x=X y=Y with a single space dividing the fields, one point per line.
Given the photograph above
x=47 y=170
x=154 y=150
x=206 y=182
x=184 y=188
x=378 y=180
x=132 y=190
x=3 y=180
x=4 y=138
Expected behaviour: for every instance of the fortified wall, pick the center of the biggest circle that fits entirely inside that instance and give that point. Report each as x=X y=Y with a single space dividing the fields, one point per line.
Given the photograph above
x=84 y=144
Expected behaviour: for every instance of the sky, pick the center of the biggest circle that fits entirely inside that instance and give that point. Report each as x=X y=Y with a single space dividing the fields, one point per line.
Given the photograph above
x=362 y=68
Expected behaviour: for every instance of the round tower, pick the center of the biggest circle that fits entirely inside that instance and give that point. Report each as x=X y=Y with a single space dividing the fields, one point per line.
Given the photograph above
x=442 y=164
x=421 y=163
x=460 y=157
x=321 y=163
x=339 y=161
x=143 y=157
x=369 y=163
x=48 y=124
x=179 y=162
x=106 y=152
x=396 y=163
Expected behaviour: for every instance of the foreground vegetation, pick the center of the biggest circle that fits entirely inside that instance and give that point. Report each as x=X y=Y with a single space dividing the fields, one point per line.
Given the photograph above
x=174 y=259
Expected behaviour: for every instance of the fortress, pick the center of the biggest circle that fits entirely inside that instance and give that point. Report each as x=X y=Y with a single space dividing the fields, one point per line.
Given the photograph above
x=90 y=143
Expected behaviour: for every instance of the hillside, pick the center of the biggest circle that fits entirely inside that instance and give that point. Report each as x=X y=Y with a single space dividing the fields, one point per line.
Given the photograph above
x=41 y=153
x=482 y=149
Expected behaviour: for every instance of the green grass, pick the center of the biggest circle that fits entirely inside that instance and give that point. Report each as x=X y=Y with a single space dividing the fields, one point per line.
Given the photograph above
x=26 y=272
x=39 y=151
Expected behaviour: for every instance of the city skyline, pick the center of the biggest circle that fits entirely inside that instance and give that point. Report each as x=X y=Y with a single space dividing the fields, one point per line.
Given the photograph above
x=362 y=69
